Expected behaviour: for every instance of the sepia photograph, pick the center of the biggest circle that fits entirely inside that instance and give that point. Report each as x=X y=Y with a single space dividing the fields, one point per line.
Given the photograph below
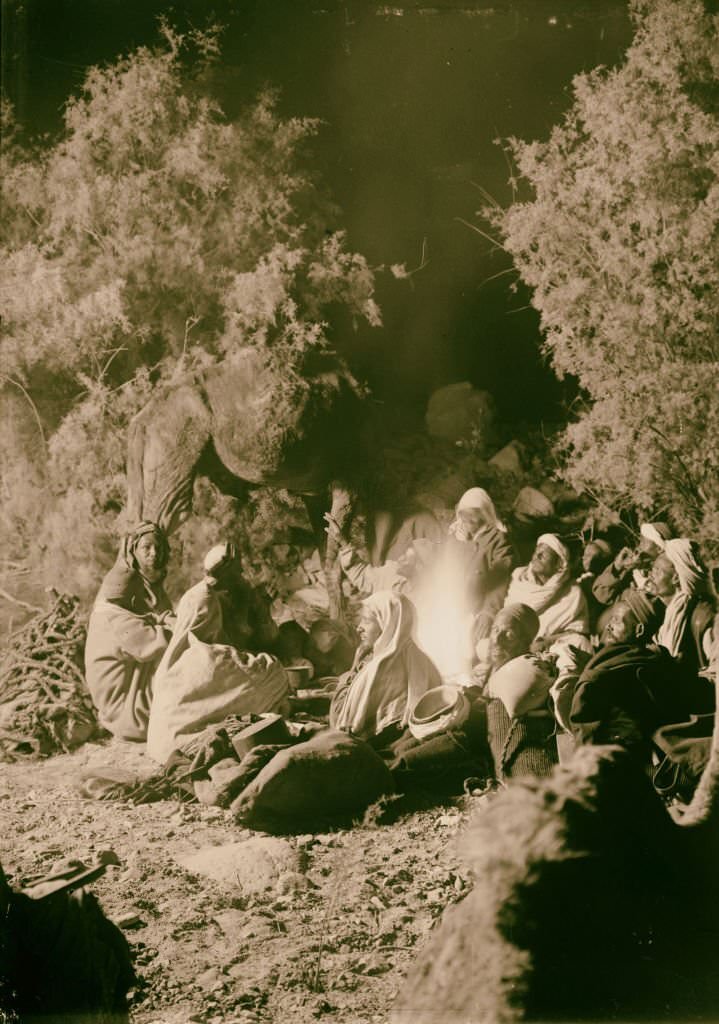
x=359 y=511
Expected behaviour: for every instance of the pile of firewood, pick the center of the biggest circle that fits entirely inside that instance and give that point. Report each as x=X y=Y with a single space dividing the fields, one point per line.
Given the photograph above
x=45 y=706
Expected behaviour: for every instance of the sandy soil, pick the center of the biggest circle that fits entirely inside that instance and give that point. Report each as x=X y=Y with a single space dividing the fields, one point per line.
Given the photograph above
x=331 y=942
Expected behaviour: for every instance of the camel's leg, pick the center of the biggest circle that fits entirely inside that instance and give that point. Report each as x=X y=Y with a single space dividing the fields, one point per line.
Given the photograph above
x=167 y=439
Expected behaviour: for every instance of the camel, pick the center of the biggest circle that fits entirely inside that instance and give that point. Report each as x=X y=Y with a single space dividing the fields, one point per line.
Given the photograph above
x=241 y=423
x=591 y=902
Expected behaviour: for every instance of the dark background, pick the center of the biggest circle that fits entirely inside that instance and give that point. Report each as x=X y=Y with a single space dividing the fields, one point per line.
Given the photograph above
x=413 y=96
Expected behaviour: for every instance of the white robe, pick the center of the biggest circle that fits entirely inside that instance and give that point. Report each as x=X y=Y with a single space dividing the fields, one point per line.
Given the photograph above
x=201 y=680
x=383 y=689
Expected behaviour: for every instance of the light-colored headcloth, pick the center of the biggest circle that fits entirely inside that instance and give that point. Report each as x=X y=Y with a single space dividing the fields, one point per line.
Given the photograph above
x=218 y=557
x=691 y=573
x=692 y=577
x=551 y=540
x=657 y=533
x=392 y=680
x=132 y=539
x=124 y=584
x=477 y=498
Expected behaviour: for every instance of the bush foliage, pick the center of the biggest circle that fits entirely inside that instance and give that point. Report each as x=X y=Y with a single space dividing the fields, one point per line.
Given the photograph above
x=620 y=246
x=153 y=237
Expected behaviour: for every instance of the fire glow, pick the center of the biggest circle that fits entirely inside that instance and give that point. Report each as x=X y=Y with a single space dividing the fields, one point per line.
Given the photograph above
x=444 y=616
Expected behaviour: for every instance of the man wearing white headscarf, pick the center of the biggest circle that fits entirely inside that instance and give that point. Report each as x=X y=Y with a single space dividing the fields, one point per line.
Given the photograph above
x=129 y=628
x=200 y=609
x=631 y=566
x=680 y=579
x=390 y=673
x=479 y=546
x=207 y=673
x=546 y=585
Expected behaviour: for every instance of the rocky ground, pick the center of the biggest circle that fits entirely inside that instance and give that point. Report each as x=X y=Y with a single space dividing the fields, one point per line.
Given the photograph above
x=294 y=930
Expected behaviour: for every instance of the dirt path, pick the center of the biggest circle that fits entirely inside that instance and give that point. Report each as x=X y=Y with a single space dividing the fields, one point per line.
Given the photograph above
x=332 y=940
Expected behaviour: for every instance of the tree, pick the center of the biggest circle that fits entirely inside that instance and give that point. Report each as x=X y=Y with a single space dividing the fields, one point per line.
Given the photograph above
x=152 y=237
x=620 y=247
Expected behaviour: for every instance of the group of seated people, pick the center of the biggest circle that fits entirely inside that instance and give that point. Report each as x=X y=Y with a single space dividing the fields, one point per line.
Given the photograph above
x=543 y=656
x=156 y=675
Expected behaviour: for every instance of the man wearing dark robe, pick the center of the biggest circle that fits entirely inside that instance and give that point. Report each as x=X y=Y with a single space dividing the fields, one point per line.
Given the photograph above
x=629 y=687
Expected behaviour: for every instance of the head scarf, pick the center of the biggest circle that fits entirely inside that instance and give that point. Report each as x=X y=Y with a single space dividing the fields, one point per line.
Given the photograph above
x=124 y=584
x=657 y=533
x=524 y=618
x=477 y=499
x=551 y=540
x=692 y=579
x=217 y=560
x=560 y=604
x=395 y=614
x=384 y=688
x=646 y=610
x=132 y=539
x=692 y=574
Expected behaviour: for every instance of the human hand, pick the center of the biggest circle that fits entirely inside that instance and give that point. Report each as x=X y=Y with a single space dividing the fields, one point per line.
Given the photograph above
x=462 y=530
x=332 y=527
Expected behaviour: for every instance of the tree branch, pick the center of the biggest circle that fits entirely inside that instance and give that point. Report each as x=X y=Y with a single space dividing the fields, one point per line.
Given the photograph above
x=473 y=227
x=18 y=385
x=22 y=604
x=694 y=488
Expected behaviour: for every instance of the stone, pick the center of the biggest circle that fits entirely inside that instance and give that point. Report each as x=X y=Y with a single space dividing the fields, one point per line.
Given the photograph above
x=509 y=459
x=456 y=411
x=532 y=504
x=292 y=881
x=259 y=927
x=444 y=493
x=231 y=922
x=558 y=492
x=253 y=865
x=131 y=919
x=209 y=979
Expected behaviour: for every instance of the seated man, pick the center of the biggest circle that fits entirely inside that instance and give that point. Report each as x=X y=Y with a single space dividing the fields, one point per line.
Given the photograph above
x=478 y=542
x=389 y=673
x=629 y=687
x=512 y=633
x=631 y=567
x=681 y=580
x=136 y=580
x=129 y=628
x=460 y=585
x=520 y=727
x=203 y=677
x=546 y=586
x=596 y=556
